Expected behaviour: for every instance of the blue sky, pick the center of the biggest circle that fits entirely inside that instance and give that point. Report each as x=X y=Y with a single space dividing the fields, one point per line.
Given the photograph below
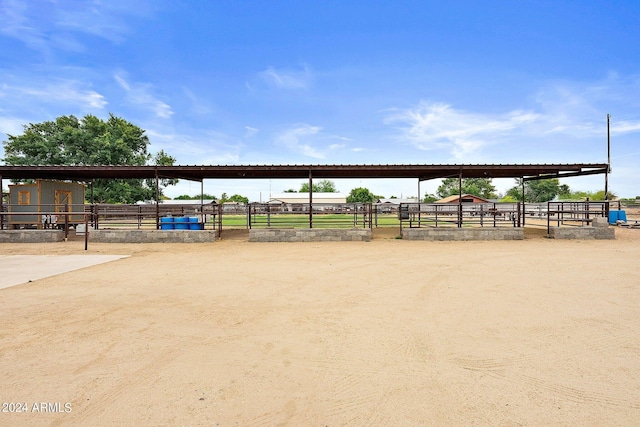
x=337 y=82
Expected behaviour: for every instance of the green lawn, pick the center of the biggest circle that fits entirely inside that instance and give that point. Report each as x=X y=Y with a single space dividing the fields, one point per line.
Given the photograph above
x=302 y=221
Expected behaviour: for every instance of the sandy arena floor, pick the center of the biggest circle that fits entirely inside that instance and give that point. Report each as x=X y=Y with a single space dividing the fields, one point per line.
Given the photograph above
x=386 y=333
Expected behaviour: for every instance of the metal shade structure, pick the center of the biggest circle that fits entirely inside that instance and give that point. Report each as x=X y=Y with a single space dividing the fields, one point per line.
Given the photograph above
x=199 y=173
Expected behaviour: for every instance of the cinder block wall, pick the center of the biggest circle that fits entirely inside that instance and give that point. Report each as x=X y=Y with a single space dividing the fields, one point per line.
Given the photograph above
x=599 y=231
x=582 y=233
x=454 y=233
x=31 y=236
x=310 y=235
x=152 y=236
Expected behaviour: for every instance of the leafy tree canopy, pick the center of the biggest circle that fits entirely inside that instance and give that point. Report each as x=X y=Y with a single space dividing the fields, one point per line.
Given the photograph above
x=239 y=199
x=429 y=198
x=544 y=190
x=538 y=191
x=481 y=187
x=235 y=198
x=196 y=197
x=591 y=195
x=90 y=141
x=361 y=195
x=324 y=186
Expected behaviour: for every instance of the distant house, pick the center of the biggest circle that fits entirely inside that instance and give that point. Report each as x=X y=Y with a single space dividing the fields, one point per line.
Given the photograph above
x=234 y=208
x=465 y=198
x=395 y=201
x=392 y=205
x=289 y=198
x=187 y=202
x=299 y=202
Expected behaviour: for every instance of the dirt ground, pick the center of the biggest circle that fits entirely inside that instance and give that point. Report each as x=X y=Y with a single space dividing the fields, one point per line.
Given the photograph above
x=384 y=333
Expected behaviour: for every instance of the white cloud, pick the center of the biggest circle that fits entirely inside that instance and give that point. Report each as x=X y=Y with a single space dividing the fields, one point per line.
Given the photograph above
x=300 y=139
x=202 y=147
x=61 y=25
x=563 y=113
x=96 y=18
x=579 y=109
x=11 y=126
x=438 y=126
x=250 y=131
x=67 y=92
x=312 y=141
x=15 y=22
x=140 y=94
x=122 y=82
x=197 y=106
x=287 y=79
x=625 y=126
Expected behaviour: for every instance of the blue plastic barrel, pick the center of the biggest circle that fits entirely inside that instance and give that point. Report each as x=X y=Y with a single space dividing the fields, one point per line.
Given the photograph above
x=181 y=223
x=166 y=223
x=193 y=223
x=613 y=216
x=622 y=216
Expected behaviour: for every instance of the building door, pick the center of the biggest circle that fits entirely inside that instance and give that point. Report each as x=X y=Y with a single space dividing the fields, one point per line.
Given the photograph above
x=62 y=198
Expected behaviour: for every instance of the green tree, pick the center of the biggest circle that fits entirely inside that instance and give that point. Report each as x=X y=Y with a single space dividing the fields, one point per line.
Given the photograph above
x=196 y=197
x=508 y=199
x=481 y=187
x=564 y=191
x=361 y=195
x=429 y=198
x=324 y=186
x=235 y=198
x=90 y=141
x=538 y=191
x=591 y=195
x=239 y=199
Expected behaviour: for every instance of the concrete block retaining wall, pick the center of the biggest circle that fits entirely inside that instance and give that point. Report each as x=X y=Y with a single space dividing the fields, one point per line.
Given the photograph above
x=152 y=236
x=451 y=233
x=599 y=231
x=309 y=235
x=582 y=233
x=31 y=236
x=110 y=236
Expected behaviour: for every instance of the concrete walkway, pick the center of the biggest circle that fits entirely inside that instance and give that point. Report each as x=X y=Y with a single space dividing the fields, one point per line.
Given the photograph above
x=18 y=269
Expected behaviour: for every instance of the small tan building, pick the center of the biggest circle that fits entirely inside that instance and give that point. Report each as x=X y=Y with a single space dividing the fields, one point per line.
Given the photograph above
x=45 y=199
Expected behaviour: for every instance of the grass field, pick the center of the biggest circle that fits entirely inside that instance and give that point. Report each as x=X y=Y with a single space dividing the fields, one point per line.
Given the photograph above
x=302 y=221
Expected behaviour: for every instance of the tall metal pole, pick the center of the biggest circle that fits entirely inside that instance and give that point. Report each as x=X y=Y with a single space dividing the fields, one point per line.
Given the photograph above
x=1 y=205
x=310 y=199
x=524 y=204
x=460 y=199
x=606 y=175
x=202 y=217
x=157 y=201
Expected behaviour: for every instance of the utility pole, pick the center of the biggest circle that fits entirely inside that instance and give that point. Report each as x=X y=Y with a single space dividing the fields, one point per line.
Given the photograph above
x=606 y=175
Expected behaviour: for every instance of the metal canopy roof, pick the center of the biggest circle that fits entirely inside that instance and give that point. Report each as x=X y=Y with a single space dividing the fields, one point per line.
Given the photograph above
x=198 y=173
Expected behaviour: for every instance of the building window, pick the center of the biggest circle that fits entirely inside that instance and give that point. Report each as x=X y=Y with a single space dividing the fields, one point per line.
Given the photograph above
x=24 y=197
